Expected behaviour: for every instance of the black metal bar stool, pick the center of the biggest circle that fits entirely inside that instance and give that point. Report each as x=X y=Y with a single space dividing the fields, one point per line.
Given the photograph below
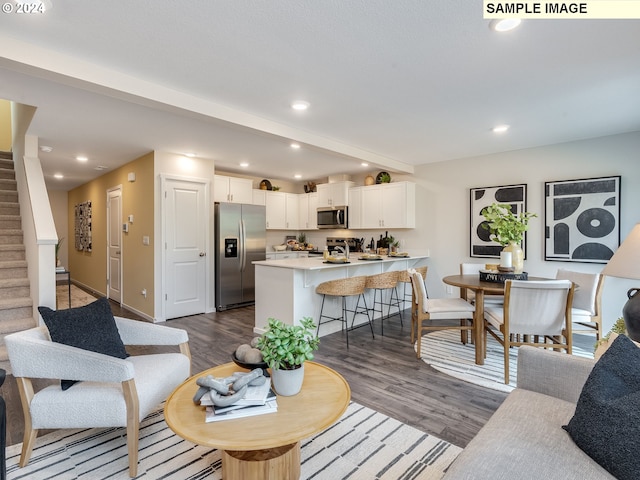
x=344 y=287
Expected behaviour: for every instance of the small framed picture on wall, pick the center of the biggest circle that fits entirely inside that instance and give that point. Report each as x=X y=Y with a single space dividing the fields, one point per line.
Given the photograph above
x=480 y=243
x=582 y=219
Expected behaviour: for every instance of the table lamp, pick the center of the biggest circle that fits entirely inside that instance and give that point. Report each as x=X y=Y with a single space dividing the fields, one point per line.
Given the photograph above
x=625 y=263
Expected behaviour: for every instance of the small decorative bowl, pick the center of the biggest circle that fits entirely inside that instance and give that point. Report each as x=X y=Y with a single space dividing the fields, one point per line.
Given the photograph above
x=279 y=248
x=250 y=366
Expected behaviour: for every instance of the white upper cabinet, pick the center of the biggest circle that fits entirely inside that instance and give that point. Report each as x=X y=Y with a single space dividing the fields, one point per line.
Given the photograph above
x=307 y=211
x=232 y=189
x=386 y=205
x=281 y=210
x=333 y=194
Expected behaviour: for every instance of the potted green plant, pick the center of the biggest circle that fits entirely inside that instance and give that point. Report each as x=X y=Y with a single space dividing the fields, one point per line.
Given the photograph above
x=285 y=348
x=507 y=228
x=394 y=243
x=302 y=239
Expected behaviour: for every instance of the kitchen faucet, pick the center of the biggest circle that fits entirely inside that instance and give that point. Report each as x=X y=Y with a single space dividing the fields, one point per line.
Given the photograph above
x=344 y=250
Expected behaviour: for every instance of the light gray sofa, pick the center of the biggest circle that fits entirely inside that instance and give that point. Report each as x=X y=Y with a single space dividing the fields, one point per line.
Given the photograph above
x=524 y=438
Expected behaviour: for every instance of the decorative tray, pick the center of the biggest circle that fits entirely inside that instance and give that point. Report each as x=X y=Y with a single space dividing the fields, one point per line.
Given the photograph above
x=370 y=257
x=335 y=262
x=399 y=254
x=494 y=276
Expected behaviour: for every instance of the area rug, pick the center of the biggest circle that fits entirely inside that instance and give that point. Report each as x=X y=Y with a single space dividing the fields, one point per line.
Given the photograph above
x=362 y=445
x=443 y=350
x=79 y=297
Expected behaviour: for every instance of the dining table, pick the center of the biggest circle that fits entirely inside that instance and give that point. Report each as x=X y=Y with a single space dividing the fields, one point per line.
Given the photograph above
x=481 y=289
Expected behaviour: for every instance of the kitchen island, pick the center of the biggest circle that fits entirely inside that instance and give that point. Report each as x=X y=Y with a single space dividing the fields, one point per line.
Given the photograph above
x=286 y=289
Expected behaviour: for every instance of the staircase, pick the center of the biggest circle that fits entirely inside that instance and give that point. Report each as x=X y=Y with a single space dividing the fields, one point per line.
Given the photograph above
x=16 y=306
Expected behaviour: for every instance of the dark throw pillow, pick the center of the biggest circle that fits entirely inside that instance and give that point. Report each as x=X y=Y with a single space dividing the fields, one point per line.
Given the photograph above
x=606 y=424
x=91 y=327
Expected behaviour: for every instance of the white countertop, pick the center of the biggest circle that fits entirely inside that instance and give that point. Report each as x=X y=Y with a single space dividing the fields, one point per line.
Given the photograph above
x=317 y=263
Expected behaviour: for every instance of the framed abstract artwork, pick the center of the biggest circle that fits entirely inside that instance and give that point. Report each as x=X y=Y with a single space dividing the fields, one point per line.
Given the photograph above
x=82 y=226
x=480 y=243
x=582 y=219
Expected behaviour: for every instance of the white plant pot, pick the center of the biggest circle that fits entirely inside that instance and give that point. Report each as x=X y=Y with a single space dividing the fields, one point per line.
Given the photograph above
x=288 y=382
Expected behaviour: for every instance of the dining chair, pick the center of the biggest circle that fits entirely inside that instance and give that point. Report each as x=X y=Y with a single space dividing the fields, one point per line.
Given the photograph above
x=532 y=310
x=469 y=295
x=586 y=312
x=425 y=310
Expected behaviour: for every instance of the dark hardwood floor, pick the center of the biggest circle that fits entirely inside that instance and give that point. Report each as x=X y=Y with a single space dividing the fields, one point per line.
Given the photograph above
x=383 y=373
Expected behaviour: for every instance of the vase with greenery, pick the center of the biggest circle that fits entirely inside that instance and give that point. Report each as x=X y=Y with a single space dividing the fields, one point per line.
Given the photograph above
x=507 y=228
x=285 y=348
x=58 y=245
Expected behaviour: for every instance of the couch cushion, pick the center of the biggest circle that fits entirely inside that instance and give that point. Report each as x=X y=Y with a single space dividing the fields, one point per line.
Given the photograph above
x=524 y=439
x=607 y=418
x=91 y=327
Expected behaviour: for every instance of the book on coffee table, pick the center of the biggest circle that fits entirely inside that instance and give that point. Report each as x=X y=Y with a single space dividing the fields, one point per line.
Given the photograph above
x=217 y=414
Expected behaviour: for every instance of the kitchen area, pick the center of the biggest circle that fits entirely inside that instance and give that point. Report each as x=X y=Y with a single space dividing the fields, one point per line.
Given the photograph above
x=338 y=229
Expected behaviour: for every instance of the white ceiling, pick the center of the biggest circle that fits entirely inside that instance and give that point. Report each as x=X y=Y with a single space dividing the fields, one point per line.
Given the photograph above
x=396 y=83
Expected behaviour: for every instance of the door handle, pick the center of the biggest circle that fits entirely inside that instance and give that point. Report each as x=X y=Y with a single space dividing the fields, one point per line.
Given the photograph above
x=202 y=254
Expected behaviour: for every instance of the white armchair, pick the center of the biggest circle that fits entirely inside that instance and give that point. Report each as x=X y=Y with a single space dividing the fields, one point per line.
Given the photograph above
x=111 y=392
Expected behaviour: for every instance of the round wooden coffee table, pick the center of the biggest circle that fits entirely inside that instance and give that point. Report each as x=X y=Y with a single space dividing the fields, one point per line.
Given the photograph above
x=263 y=446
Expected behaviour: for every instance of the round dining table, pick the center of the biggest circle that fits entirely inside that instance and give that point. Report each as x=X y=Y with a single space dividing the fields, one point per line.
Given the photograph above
x=480 y=288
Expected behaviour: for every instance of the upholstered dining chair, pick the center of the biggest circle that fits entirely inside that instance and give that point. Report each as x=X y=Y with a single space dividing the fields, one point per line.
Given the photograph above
x=425 y=311
x=532 y=311
x=586 y=312
x=109 y=391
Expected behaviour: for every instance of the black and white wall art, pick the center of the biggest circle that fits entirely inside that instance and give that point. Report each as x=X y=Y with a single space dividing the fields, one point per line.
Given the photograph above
x=514 y=195
x=582 y=219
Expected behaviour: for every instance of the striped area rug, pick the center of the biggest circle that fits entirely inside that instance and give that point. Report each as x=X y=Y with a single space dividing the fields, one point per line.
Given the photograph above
x=443 y=350
x=362 y=445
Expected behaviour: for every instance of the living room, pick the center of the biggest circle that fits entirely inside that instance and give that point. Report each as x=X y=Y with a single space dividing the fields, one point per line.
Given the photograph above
x=443 y=181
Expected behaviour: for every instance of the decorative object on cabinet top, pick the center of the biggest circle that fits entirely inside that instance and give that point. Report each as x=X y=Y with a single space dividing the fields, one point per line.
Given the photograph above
x=310 y=187
x=383 y=177
x=369 y=180
x=265 y=185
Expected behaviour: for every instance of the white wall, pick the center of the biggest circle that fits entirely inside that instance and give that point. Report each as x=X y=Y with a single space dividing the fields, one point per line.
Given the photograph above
x=442 y=195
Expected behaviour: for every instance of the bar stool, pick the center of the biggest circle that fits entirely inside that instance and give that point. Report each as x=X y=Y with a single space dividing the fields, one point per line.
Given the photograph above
x=379 y=283
x=405 y=279
x=344 y=287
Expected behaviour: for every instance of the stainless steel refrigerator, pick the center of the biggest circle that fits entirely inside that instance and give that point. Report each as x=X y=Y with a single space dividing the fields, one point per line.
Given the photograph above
x=240 y=239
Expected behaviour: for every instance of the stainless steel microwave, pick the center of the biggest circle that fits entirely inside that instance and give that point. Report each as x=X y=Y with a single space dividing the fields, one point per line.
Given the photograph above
x=333 y=217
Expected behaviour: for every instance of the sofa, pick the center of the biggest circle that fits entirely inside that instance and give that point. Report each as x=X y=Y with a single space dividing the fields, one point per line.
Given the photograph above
x=524 y=438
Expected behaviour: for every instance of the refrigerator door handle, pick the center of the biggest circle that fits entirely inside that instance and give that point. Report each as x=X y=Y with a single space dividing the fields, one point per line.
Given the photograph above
x=243 y=246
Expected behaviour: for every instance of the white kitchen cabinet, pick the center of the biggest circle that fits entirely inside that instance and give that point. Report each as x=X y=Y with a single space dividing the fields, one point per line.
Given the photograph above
x=333 y=194
x=386 y=205
x=232 y=189
x=286 y=254
x=291 y=211
x=281 y=210
x=307 y=211
x=355 y=207
x=259 y=197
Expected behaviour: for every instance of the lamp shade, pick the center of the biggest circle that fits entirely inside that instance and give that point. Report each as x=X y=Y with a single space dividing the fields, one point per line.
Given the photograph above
x=625 y=263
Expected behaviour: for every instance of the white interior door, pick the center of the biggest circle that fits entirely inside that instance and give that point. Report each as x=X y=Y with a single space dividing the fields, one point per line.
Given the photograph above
x=114 y=248
x=185 y=246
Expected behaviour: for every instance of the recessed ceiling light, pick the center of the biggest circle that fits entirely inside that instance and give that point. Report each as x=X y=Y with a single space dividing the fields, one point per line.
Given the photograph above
x=295 y=146
x=80 y=158
x=58 y=176
x=300 y=105
x=101 y=167
x=500 y=128
x=364 y=164
x=244 y=164
x=297 y=175
x=190 y=155
x=46 y=148
x=504 y=24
